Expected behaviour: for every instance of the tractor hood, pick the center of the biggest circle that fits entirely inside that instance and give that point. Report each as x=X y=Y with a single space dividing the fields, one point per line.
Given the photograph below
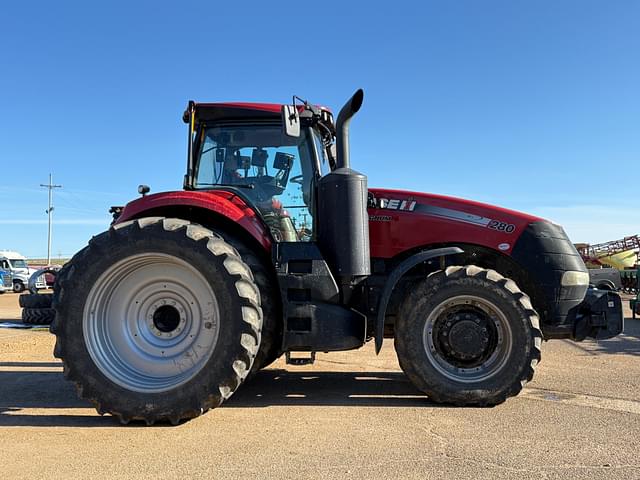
x=401 y=220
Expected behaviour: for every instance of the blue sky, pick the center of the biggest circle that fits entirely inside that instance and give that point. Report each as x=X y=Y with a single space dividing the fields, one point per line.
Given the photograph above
x=533 y=106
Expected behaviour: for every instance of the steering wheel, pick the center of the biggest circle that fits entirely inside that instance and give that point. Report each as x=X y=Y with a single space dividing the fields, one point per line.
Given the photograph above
x=297 y=179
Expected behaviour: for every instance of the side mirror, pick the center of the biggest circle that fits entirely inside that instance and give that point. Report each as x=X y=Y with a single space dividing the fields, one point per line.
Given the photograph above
x=291 y=120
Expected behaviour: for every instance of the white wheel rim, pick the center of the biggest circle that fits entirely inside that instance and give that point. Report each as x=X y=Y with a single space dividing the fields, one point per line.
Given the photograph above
x=151 y=322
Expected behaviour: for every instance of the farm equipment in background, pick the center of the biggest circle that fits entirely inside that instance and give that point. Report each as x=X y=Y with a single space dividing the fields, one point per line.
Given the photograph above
x=634 y=303
x=621 y=254
x=630 y=280
x=276 y=246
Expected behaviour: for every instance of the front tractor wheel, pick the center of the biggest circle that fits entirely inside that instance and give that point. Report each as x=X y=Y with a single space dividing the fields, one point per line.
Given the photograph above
x=157 y=319
x=468 y=336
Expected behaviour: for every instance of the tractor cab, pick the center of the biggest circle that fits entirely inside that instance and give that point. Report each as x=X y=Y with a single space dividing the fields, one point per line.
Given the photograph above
x=243 y=147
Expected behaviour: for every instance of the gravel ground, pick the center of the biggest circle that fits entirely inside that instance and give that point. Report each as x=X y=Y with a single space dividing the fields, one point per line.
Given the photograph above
x=350 y=415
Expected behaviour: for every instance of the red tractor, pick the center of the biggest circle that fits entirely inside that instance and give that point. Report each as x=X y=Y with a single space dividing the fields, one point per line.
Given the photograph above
x=276 y=246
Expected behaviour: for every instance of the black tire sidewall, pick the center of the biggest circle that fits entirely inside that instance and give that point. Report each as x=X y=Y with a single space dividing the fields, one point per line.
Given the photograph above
x=411 y=347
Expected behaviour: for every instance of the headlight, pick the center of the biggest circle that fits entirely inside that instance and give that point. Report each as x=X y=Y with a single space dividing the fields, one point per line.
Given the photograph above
x=573 y=279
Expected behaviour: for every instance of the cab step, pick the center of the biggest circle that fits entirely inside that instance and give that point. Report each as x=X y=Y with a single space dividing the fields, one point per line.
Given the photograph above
x=298 y=361
x=314 y=319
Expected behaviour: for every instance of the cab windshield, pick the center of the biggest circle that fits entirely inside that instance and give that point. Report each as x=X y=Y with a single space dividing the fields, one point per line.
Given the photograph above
x=18 y=263
x=274 y=171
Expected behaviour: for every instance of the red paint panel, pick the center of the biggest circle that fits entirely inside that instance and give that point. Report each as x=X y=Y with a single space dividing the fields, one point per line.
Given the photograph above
x=395 y=231
x=219 y=201
x=265 y=107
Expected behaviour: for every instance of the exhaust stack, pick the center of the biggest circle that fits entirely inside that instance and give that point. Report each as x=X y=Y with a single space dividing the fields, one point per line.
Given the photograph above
x=343 y=220
x=342 y=128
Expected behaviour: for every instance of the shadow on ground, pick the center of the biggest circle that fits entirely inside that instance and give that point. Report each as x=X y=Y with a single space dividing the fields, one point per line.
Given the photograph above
x=628 y=343
x=48 y=391
x=27 y=389
x=344 y=389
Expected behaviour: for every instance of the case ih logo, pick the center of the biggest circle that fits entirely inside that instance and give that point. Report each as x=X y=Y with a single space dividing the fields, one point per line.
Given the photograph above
x=395 y=204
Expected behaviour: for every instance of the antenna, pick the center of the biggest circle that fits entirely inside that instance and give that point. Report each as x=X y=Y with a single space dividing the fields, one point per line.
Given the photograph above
x=49 y=210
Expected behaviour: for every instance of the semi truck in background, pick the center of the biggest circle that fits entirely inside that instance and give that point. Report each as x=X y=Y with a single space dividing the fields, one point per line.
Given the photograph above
x=5 y=281
x=19 y=270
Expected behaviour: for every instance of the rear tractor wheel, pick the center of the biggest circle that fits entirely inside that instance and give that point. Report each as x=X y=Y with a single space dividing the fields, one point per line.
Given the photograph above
x=468 y=336
x=157 y=319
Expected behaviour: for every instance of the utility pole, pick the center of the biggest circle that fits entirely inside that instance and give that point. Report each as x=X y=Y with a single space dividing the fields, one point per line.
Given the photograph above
x=49 y=210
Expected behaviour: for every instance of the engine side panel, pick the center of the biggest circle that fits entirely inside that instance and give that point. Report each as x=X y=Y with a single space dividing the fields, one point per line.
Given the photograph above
x=401 y=221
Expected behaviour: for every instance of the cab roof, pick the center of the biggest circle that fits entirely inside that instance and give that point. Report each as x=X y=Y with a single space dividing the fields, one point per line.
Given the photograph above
x=11 y=255
x=237 y=110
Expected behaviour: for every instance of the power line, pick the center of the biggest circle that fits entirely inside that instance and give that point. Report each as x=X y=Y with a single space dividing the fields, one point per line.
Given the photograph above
x=49 y=211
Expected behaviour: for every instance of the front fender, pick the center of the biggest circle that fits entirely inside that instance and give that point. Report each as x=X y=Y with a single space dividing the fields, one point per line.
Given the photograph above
x=221 y=202
x=396 y=274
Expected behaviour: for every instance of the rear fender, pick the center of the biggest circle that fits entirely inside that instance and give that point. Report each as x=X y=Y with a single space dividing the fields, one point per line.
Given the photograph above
x=203 y=207
x=396 y=274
